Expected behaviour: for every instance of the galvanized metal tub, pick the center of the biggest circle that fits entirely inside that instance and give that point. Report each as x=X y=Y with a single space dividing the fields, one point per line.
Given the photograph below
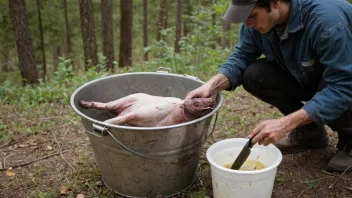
x=144 y=161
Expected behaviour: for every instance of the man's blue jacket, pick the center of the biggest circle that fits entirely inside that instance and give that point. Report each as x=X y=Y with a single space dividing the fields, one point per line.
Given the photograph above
x=317 y=45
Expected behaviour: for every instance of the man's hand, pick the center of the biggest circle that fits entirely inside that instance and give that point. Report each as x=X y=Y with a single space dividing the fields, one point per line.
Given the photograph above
x=211 y=88
x=271 y=131
x=203 y=91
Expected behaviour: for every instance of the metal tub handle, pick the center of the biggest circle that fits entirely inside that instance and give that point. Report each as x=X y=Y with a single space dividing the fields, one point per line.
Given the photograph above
x=212 y=130
x=168 y=70
x=191 y=77
x=164 y=69
x=100 y=131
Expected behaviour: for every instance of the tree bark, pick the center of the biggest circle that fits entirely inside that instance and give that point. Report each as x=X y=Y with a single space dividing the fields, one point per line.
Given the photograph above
x=125 y=58
x=41 y=38
x=88 y=33
x=178 y=25
x=23 y=38
x=226 y=28
x=56 y=54
x=145 y=27
x=68 y=37
x=186 y=24
x=108 y=33
x=162 y=24
x=213 y=16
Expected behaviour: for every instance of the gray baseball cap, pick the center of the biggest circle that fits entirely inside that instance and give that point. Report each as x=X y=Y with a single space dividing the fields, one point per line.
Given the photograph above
x=239 y=10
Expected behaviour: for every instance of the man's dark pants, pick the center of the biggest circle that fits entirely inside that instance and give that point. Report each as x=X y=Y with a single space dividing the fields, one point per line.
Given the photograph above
x=272 y=84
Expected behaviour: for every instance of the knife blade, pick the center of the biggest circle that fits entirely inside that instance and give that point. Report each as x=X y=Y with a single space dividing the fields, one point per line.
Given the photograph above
x=242 y=156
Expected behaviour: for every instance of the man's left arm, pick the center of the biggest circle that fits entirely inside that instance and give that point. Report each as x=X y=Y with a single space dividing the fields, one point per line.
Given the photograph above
x=334 y=51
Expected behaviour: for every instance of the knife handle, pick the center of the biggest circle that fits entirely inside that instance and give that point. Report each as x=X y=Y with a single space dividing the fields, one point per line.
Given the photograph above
x=250 y=143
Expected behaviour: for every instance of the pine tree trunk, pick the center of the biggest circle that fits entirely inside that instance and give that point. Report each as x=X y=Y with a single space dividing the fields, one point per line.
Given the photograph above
x=125 y=58
x=186 y=24
x=88 y=33
x=108 y=34
x=178 y=25
x=226 y=28
x=145 y=27
x=56 y=54
x=213 y=16
x=23 y=38
x=68 y=37
x=41 y=38
x=162 y=24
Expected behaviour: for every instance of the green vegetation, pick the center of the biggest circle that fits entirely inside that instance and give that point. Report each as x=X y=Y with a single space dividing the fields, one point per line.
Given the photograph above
x=205 y=32
x=35 y=110
x=59 y=87
x=201 y=62
x=10 y=77
x=201 y=51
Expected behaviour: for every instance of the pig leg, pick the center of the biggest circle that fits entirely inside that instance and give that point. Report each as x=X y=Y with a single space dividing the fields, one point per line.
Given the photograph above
x=122 y=119
x=114 y=107
x=97 y=105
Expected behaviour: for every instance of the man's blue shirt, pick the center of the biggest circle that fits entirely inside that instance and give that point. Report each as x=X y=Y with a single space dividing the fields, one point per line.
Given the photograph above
x=317 y=44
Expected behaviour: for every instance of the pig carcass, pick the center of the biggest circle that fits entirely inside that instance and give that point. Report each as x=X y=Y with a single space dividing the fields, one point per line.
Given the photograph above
x=143 y=110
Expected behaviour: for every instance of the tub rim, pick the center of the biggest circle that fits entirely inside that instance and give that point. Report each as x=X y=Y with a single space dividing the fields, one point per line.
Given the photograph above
x=73 y=106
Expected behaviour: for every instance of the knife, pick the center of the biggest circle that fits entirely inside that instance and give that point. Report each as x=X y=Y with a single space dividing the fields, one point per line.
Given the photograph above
x=242 y=157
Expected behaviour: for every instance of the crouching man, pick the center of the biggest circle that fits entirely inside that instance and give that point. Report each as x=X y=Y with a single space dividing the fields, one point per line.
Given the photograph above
x=306 y=72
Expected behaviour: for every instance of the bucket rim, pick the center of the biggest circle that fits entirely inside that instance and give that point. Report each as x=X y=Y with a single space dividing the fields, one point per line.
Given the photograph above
x=73 y=106
x=240 y=172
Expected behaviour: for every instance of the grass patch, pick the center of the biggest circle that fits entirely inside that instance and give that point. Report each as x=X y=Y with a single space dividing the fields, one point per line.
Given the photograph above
x=202 y=193
x=40 y=194
x=29 y=121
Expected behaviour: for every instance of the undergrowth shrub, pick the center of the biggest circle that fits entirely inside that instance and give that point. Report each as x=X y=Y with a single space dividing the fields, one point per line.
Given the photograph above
x=56 y=89
x=201 y=55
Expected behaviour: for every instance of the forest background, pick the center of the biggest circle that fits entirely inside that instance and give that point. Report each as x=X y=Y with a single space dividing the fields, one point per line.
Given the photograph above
x=153 y=34
x=49 y=48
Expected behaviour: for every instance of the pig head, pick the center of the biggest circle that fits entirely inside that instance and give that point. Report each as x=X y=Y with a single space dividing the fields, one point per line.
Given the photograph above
x=198 y=107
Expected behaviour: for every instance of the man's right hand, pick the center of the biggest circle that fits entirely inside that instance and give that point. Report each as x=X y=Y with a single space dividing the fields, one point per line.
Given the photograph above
x=203 y=91
x=211 y=88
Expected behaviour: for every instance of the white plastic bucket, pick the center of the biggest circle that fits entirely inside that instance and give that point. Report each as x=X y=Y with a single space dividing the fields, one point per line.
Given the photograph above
x=228 y=183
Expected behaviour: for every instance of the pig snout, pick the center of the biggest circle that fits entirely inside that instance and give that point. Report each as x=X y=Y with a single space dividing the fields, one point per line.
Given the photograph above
x=202 y=103
x=199 y=106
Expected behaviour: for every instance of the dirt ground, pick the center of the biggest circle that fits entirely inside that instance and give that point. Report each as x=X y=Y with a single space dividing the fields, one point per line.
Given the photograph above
x=50 y=155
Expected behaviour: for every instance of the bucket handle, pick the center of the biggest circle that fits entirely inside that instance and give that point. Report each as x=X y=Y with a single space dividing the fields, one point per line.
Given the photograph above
x=101 y=131
x=212 y=130
x=164 y=69
x=168 y=70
